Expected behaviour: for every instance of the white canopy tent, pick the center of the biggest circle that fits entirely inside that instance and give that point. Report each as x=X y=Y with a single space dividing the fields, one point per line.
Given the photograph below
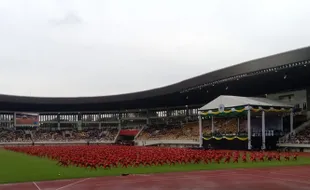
x=248 y=104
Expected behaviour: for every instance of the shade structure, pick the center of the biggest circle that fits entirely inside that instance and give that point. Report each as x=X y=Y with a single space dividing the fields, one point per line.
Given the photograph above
x=236 y=105
x=224 y=101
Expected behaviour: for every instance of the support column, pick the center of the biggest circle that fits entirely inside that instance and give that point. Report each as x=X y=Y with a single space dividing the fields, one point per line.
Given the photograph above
x=263 y=131
x=119 y=121
x=186 y=114
x=308 y=99
x=212 y=124
x=281 y=124
x=249 y=130
x=200 y=130
x=291 y=121
x=58 y=121
x=119 y=124
x=79 y=125
x=147 y=118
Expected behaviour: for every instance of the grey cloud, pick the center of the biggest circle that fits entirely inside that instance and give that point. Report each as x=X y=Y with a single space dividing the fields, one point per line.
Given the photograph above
x=68 y=19
x=117 y=46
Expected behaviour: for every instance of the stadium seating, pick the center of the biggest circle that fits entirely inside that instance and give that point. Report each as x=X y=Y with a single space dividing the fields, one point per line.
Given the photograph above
x=226 y=126
x=189 y=131
x=107 y=134
x=47 y=135
x=302 y=137
x=223 y=126
x=10 y=135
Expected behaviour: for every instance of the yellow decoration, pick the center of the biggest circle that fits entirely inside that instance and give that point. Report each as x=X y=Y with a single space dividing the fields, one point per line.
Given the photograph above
x=227 y=138
x=244 y=109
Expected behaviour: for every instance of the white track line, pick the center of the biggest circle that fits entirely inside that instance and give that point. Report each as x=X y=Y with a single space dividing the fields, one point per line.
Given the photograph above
x=154 y=178
x=74 y=183
x=159 y=177
x=34 y=183
x=169 y=178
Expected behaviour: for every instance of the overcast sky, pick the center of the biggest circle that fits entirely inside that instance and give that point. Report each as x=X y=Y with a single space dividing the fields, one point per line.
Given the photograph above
x=104 y=47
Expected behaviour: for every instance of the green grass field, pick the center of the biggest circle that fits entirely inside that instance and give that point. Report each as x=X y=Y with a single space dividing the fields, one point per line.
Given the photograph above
x=17 y=167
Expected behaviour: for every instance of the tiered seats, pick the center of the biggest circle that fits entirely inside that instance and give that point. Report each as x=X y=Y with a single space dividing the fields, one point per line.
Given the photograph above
x=226 y=126
x=222 y=126
x=188 y=132
x=206 y=127
x=8 y=135
x=129 y=132
x=107 y=134
x=47 y=135
x=303 y=137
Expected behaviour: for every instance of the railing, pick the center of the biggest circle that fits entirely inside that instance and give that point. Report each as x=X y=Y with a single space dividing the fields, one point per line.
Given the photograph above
x=116 y=136
x=154 y=142
x=293 y=145
x=139 y=132
x=82 y=142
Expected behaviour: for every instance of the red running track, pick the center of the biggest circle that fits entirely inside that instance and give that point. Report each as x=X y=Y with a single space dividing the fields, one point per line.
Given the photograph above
x=279 y=178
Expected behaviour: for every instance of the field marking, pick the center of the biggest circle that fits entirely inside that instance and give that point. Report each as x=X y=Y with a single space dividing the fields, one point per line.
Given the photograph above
x=153 y=178
x=74 y=183
x=171 y=178
x=36 y=185
x=156 y=176
x=183 y=176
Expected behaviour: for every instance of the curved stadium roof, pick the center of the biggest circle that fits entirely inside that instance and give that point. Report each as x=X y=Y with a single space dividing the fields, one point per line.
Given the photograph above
x=254 y=67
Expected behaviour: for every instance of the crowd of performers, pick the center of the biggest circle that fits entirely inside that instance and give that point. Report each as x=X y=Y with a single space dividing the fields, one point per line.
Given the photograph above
x=230 y=157
x=113 y=156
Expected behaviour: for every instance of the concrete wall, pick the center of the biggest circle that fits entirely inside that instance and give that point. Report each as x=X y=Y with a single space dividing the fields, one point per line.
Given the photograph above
x=300 y=97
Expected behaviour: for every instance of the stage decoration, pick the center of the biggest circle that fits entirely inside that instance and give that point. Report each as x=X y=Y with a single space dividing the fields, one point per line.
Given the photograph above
x=239 y=110
x=226 y=137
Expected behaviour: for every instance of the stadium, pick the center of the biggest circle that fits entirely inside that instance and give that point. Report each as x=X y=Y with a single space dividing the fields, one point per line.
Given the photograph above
x=253 y=114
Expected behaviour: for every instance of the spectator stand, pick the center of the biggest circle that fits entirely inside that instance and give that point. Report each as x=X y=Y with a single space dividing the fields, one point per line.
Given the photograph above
x=256 y=111
x=127 y=134
x=301 y=127
x=298 y=140
x=169 y=134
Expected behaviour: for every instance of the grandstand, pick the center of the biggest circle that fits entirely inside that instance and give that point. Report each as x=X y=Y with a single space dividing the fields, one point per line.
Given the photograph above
x=169 y=115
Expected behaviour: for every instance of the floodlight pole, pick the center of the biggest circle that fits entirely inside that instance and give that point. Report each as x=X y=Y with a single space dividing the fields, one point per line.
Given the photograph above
x=200 y=129
x=263 y=131
x=249 y=129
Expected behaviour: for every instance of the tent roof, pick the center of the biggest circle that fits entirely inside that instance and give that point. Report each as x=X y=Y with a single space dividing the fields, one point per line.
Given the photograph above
x=235 y=101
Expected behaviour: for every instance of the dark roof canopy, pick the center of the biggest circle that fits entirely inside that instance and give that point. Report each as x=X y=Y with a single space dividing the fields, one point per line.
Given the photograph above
x=168 y=95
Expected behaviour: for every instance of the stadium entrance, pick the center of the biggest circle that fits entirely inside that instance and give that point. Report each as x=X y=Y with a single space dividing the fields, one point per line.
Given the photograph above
x=127 y=136
x=250 y=123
